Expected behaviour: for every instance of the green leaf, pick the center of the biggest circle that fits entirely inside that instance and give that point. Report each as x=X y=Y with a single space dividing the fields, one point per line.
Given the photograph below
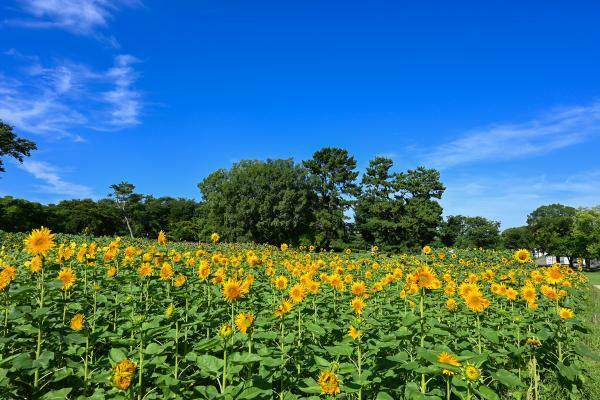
x=116 y=355
x=314 y=328
x=383 y=396
x=584 y=351
x=340 y=350
x=44 y=360
x=59 y=394
x=311 y=386
x=507 y=378
x=209 y=365
x=487 y=393
x=153 y=348
x=251 y=392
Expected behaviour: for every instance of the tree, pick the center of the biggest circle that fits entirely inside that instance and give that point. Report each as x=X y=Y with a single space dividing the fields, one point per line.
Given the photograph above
x=378 y=211
x=126 y=200
x=17 y=215
x=586 y=233
x=517 y=238
x=12 y=146
x=333 y=178
x=469 y=232
x=552 y=228
x=262 y=201
x=420 y=188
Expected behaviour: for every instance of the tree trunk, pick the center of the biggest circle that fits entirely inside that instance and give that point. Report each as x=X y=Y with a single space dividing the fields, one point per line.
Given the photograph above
x=129 y=227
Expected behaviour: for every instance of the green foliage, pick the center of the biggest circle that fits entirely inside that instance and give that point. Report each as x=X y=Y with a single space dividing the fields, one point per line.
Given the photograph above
x=469 y=232
x=12 y=146
x=261 y=201
x=552 y=228
x=517 y=238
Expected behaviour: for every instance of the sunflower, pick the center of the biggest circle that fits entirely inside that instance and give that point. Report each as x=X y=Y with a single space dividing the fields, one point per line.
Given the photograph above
x=215 y=237
x=77 y=322
x=476 y=302
x=166 y=272
x=297 y=293
x=359 y=288
x=522 y=256
x=283 y=246
x=284 y=308
x=329 y=382
x=233 y=290
x=244 y=321
x=426 y=278
x=354 y=333
x=528 y=293
x=281 y=282
x=511 y=294
x=447 y=358
x=566 y=313
x=145 y=270
x=111 y=272
x=554 y=275
x=67 y=277
x=451 y=304
x=123 y=374
x=225 y=331
x=426 y=250
x=180 y=280
x=169 y=310
x=472 y=372
x=358 y=304
x=36 y=264
x=203 y=270
x=39 y=241
x=162 y=238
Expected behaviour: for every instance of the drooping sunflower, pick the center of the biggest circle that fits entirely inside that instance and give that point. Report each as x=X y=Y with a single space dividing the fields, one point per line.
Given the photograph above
x=522 y=256
x=162 y=238
x=77 y=322
x=354 y=333
x=123 y=374
x=477 y=302
x=447 y=358
x=244 y=321
x=233 y=290
x=329 y=382
x=67 y=277
x=180 y=280
x=284 y=308
x=358 y=305
x=39 y=242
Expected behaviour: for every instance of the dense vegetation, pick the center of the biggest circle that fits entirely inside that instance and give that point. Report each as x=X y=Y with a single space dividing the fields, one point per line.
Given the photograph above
x=139 y=319
x=323 y=201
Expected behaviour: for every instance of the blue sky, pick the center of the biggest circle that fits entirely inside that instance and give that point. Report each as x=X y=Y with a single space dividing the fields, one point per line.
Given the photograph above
x=503 y=97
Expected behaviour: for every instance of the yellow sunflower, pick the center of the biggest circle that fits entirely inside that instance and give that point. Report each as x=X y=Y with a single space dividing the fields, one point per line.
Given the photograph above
x=329 y=382
x=39 y=241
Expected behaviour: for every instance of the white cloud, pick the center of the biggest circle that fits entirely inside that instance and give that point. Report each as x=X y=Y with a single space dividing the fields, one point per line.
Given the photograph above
x=58 y=100
x=82 y=17
x=510 y=199
x=556 y=130
x=53 y=182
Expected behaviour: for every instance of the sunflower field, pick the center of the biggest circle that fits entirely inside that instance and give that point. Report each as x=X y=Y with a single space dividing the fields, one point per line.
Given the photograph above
x=87 y=318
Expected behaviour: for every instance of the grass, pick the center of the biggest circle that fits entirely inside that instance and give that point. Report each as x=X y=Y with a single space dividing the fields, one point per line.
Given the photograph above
x=592 y=319
x=594 y=277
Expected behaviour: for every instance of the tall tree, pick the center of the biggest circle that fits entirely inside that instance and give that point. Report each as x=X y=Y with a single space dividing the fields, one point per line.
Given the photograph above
x=378 y=211
x=420 y=189
x=552 y=228
x=517 y=238
x=470 y=232
x=261 y=201
x=12 y=146
x=125 y=198
x=333 y=177
x=586 y=233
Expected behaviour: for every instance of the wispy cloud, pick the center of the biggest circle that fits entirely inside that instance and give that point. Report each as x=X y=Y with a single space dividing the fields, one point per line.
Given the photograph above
x=61 y=99
x=510 y=199
x=53 y=183
x=558 y=129
x=81 y=17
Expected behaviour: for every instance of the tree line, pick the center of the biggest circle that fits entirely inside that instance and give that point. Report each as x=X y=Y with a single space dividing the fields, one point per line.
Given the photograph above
x=320 y=201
